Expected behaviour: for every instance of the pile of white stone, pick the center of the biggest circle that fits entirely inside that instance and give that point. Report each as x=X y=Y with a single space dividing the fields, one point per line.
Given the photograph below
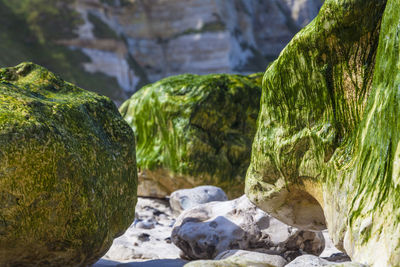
x=200 y=227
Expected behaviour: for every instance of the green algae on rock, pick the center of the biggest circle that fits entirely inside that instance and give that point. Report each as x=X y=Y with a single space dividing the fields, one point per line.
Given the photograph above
x=328 y=139
x=193 y=130
x=68 y=175
x=372 y=175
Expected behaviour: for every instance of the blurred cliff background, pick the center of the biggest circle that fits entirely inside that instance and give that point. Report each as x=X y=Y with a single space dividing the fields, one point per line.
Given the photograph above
x=116 y=46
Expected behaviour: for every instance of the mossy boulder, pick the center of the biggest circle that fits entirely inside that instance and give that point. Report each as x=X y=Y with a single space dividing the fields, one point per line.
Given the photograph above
x=326 y=149
x=194 y=130
x=68 y=175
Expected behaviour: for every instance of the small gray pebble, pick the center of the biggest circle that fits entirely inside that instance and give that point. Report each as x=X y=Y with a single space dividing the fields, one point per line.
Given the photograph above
x=145 y=225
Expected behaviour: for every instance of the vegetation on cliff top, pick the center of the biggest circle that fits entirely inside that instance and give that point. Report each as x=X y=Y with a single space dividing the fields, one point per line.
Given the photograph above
x=27 y=35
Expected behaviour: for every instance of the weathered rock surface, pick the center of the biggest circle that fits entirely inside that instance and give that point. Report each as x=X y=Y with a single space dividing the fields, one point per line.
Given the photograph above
x=327 y=141
x=117 y=46
x=152 y=246
x=194 y=130
x=314 y=261
x=209 y=229
x=149 y=236
x=142 y=263
x=241 y=258
x=67 y=175
x=188 y=198
x=331 y=253
x=181 y=42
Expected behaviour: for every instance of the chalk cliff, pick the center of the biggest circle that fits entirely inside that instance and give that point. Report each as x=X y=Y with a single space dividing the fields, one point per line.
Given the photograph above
x=120 y=45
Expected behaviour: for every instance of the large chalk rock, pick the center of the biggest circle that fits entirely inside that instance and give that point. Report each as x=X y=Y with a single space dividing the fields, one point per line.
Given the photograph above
x=209 y=229
x=67 y=171
x=188 y=198
x=194 y=130
x=327 y=148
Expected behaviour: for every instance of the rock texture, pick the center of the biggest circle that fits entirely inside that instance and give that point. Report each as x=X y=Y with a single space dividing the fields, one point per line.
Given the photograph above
x=314 y=261
x=194 y=130
x=117 y=46
x=188 y=198
x=147 y=243
x=181 y=42
x=209 y=229
x=331 y=253
x=241 y=258
x=142 y=263
x=67 y=175
x=327 y=141
x=149 y=236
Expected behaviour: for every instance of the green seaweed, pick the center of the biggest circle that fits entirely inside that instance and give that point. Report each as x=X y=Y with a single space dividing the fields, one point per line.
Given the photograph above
x=328 y=130
x=373 y=215
x=196 y=126
x=68 y=173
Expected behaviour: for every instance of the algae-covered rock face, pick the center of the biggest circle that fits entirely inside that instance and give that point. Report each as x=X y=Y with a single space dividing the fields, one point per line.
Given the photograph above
x=327 y=141
x=193 y=130
x=67 y=174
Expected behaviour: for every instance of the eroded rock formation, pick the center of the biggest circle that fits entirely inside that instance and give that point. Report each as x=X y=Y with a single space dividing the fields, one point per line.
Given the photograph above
x=327 y=142
x=209 y=229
